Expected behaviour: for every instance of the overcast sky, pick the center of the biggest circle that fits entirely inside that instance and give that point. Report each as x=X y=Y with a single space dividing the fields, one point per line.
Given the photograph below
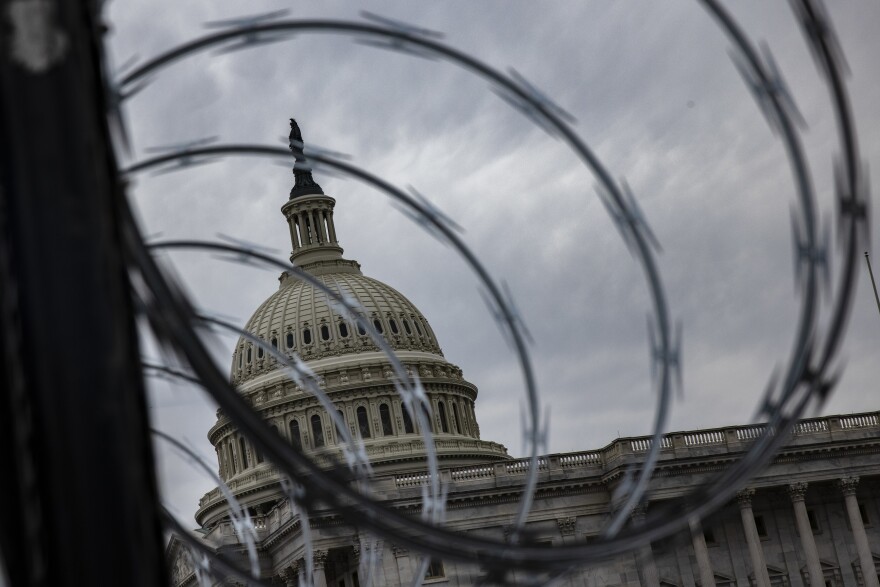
x=656 y=97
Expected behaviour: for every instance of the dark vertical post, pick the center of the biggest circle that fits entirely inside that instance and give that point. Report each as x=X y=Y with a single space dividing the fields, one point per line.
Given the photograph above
x=873 y=283
x=78 y=496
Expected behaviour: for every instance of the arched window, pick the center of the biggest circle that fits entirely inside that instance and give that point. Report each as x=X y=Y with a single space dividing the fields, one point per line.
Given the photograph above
x=290 y=340
x=377 y=324
x=385 y=417
x=444 y=424
x=275 y=342
x=230 y=460
x=325 y=332
x=360 y=326
x=307 y=336
x=343 y=330
x=393 y=325
x=295 y=436
x=249 y=354
x=407 y=422
x=455 y=420
x=342 y=423
x=259 y=352
x=363 y=422
x=240 y=359
x=418 y=328
x=243 y=451
x=317 y=431
x=406 y=326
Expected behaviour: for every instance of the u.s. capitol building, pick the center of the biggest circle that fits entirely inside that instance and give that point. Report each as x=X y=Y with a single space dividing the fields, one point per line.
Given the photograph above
x=810 y=518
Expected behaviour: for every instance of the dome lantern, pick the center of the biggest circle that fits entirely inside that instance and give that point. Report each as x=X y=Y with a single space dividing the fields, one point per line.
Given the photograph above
x=309 y=213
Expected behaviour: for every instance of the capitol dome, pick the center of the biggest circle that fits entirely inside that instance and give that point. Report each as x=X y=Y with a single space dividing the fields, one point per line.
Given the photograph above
x=301 y=320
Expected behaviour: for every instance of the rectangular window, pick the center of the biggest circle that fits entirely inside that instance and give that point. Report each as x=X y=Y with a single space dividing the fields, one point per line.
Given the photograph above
x=761 y=526
x=435 y=570
x=814 y=522
x=709 y=537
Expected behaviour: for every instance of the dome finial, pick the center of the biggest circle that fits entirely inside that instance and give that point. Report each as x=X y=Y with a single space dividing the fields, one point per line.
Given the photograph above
x=304 y=184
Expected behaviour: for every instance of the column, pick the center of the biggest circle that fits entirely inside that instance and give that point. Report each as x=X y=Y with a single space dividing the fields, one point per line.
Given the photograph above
x=331 y=226
x=320 y=559
x=707 y=576
x=797 y=491
x=291 y=223
x=304 y=233
x=756 y=553
x=288 y=575
x=325 y=235
x=645 y=556
x=315 y=216
x=848 y=486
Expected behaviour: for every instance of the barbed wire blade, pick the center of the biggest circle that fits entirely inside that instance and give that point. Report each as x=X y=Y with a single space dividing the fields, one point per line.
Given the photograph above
x=826 y=387
x=756 y=87
x=325 y=169
x=636 y=218
x=432 y=211
x=216 y=319
x=422 y=221
x=824 y=246
x=780 y=88
x=499 y=317
x=652 y=347
x=852 y=201
x=768 y=406
x=815 y=255
x=676 y=363
x=398 y=46
x=515 y=314
x=299 y=147
x=166 y=169
x=526 y=109
x=617 y=217
x=182 y=164
x=670 y=359
x=182 y=147
x=538 y=439
x=247 y=21
x=401 y=26
x=247 y=245
x=812 y=16
x=255 y=40
x=540 y=97
x=797 y=243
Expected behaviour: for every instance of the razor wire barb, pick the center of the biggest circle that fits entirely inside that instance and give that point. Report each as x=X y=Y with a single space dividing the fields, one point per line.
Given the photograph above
x=806 y=378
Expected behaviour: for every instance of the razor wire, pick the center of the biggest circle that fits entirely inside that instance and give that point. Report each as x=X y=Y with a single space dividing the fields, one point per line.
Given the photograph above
x=806 y=378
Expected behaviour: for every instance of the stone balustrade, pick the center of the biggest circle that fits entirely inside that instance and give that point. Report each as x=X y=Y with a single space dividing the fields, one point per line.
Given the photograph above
x=729 y=439
x=703 y=438
x=860 y=421
x=644 y=444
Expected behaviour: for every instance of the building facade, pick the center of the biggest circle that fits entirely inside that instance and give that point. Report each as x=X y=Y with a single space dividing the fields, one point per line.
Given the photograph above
x=810 y=518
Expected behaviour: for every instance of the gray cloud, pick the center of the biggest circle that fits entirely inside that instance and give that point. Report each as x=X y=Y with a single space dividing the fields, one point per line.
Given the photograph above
x=657 y=99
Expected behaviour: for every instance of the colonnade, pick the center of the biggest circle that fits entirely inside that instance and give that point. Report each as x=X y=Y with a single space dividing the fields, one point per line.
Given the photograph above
x=847 y=487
